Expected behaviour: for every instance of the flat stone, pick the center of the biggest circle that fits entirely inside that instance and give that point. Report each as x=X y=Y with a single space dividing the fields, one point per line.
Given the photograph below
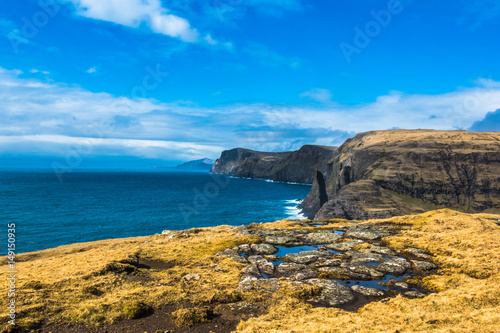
x=263 y=248
x=233 y=254
x=246 y=283
x=333 y=293
x=382 y=250
x=365 y=270
x=321 y=238
x=252 y=270
x=299 y=258
x=281 y=240
x=273 y=258
x=419 y=253
x=265 y=267
x=329 y=262
x=287 y=268
x=413 y=294
x=244 y=248
x=371 y=292
x=305 y=274
x=363 y=232
x=191 y=276
x=362 y=257
x=390 y=268
x=424 y=265
x=402 y=285
x=267 y=285
x=342 y=273
x=344 y=246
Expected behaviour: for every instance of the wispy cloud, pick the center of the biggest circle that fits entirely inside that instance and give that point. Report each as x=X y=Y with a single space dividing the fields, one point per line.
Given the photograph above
x=92 y=70
x=54 y=118
x=133 y=13
x=318 y=95
x=480 y=12
x=268 y=57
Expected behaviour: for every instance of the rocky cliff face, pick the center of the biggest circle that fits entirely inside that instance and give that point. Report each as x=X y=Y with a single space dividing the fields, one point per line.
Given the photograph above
x=387 y=173
x=297 y=166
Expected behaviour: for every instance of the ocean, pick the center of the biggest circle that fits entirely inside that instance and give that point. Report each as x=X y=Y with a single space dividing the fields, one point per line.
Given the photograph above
x=95 y=205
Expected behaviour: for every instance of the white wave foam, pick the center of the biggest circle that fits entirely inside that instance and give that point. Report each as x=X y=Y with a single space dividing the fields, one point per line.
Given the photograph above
x=294 y=212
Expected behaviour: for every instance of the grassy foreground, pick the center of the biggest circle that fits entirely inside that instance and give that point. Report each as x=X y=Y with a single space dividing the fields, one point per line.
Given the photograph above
x=99 y=284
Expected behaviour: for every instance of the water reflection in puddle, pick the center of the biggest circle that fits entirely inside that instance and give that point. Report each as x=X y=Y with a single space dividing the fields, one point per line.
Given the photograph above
x=372 y=283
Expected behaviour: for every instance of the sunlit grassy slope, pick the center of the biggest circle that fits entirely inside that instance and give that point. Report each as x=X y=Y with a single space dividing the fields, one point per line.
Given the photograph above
x=97 y=283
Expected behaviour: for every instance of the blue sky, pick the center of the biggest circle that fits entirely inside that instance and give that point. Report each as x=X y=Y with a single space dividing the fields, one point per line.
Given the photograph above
x=158 y=82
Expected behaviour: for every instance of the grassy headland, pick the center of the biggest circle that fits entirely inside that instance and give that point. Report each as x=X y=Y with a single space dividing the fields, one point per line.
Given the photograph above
x=142 y=284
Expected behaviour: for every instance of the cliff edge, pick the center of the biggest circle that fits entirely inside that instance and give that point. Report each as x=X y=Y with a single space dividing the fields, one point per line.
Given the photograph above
x=297 y=166
x=397 y=172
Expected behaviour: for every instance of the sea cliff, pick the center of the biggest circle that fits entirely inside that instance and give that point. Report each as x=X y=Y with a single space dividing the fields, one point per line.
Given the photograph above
x=297 y=166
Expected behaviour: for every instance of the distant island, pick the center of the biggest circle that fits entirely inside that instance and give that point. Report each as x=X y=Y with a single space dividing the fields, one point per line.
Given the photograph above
x=205 y=164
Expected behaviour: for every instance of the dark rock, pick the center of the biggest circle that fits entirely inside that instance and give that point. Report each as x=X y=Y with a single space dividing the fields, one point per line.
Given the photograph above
x=297 y=166
x=370 y=292
x=316 y=198
x=333 y=293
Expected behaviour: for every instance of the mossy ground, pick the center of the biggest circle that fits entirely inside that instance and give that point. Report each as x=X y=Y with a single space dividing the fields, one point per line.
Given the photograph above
x=99 y=283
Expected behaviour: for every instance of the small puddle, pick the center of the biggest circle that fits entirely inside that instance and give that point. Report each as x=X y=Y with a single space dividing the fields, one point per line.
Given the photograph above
x=283 y=251
x=339 y=232
x=373 y=283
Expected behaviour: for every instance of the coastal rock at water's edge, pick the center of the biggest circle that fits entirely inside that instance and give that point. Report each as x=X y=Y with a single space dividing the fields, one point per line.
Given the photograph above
x=297 y=166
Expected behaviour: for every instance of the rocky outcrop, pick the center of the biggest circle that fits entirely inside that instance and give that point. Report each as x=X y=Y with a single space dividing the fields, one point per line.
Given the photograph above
x=297 y=166
x=387 y=173
x=374 y=270
x=316 y=198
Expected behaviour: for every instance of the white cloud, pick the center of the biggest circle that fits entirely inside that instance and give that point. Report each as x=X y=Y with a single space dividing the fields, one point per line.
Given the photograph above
x=55 y=119
x=210 y=40
x=319 y=95
x=133 y=13
x=92 y=70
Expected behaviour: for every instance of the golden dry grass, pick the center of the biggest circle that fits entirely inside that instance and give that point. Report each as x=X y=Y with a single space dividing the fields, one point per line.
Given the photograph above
x=74 y=283
x=467 y=297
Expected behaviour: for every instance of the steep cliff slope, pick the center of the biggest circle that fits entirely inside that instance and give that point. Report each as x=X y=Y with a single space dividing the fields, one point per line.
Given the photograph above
x=387 y=173
x=297 y=166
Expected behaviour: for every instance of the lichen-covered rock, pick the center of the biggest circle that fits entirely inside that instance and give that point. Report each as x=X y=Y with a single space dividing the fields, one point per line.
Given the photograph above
x=368 y=233
x=321 y=238
x=263 y=248
x=344 y=246
x=370 y=292
x=282 y=240
x=424 y=265
x=333 y=293
x=233 y=254
x=267 y=285
x=419 y=253
x=382 y=250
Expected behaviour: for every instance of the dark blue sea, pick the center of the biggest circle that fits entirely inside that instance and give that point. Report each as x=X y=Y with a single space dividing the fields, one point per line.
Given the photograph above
x=94 y=205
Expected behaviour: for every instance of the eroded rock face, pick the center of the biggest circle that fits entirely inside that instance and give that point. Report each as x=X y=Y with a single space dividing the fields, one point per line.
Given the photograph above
x=381 y=174
x=316 y=198
x=297 y=166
